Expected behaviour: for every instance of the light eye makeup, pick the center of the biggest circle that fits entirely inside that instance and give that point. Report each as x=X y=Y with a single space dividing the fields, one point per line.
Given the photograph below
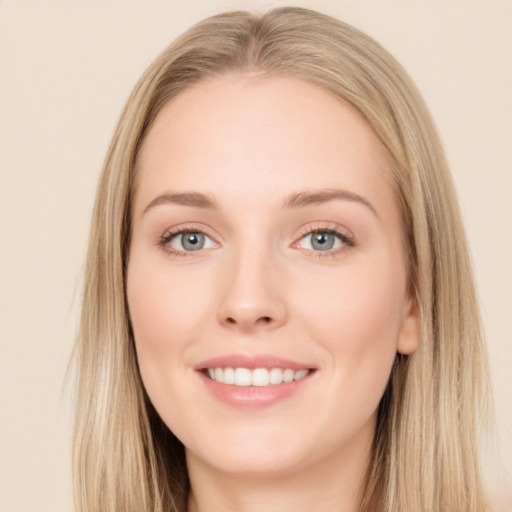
x=186 y=241
x=318 y=240
x=324 y=240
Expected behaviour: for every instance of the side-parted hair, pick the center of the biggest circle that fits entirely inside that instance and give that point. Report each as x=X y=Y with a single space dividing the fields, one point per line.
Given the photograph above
x=425 y=451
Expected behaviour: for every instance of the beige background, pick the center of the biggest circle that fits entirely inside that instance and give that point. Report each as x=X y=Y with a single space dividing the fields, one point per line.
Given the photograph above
x=66 y=68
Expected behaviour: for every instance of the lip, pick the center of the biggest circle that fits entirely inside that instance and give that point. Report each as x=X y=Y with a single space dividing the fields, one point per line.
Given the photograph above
x=251 y=362
x=252 y=397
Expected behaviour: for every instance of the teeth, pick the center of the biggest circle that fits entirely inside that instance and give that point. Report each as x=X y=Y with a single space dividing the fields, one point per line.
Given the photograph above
x=229 y=376
x=288 y=375
x=242 y=377
x=275 y=376
x=300 y=374
x=259 y=377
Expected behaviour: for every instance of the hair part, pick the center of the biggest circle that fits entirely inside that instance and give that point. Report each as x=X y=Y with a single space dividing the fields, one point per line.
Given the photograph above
x=424 y=454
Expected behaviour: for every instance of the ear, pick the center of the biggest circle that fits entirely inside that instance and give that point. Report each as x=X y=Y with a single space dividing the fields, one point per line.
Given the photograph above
x=409 y=335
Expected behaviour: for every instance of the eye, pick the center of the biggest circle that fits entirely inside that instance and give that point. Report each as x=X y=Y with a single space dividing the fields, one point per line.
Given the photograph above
x=324 y=240
x=186 y=241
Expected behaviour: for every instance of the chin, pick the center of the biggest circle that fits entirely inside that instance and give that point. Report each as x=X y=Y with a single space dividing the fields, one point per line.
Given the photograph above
x=260 y=450
x=257 y=461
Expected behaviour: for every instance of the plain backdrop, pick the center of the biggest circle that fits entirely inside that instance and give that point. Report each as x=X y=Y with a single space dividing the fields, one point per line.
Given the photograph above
x=66 y=69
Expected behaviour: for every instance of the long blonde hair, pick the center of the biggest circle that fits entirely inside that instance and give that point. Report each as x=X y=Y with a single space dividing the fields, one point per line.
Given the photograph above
x=425 y=450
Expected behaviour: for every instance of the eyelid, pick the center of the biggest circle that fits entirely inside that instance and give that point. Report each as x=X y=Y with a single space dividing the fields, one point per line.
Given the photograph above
x=165 y=239
x=346 y=237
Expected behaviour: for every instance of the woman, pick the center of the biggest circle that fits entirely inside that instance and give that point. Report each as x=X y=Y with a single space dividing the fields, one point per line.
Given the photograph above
x=279 y=309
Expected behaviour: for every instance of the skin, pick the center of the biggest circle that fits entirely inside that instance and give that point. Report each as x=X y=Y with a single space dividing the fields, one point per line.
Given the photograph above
x=259 y=287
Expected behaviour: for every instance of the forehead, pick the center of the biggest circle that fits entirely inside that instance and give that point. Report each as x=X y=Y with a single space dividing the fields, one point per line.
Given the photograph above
x=254 y=133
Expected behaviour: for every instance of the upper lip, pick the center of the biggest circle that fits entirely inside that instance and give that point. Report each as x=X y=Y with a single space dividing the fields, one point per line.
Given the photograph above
x=251 y=362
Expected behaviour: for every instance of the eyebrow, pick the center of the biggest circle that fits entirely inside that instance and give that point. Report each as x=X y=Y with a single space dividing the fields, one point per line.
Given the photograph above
x=302 y=199
x=193 y=199
x=297 y=200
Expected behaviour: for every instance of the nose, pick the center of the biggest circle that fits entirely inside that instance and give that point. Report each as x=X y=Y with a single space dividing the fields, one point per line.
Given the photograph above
x=253 y=295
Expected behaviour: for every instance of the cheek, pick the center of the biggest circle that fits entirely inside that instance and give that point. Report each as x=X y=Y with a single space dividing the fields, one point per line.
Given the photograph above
x=164 y=307
x=164 y=310
x=356 y=316
x=354 y=303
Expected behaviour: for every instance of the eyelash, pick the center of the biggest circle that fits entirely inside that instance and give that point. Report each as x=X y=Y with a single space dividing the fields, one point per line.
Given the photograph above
x=346 y=239
x=168 y=236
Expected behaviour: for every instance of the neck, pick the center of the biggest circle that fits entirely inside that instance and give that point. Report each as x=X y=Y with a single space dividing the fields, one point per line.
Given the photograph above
x=331 y=484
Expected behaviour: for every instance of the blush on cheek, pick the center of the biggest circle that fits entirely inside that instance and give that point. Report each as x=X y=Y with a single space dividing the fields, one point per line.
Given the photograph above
x=359 y=320
x=164 y=306
x=354 y=308
x=148 y=322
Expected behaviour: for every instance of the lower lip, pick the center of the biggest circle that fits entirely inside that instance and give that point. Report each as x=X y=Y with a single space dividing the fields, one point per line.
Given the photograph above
x=254 y=396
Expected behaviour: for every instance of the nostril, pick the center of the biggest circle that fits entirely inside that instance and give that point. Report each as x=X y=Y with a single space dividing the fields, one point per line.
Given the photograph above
x=247 y=320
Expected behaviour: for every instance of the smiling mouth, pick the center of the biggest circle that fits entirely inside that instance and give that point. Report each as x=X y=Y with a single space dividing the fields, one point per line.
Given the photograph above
x=258 y=377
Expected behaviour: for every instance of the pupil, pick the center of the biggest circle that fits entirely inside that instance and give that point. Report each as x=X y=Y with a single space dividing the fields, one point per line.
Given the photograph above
x=193 y=241
x=323 y=241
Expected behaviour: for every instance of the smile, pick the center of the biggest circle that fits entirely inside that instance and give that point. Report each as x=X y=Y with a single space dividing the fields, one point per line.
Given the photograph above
x=259 y=377
x=254 y=381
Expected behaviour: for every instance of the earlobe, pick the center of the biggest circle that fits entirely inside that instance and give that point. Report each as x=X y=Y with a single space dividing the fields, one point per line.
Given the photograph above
x=409 y=335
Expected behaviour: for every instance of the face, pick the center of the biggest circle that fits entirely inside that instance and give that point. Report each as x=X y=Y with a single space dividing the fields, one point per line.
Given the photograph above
x=266 y=279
